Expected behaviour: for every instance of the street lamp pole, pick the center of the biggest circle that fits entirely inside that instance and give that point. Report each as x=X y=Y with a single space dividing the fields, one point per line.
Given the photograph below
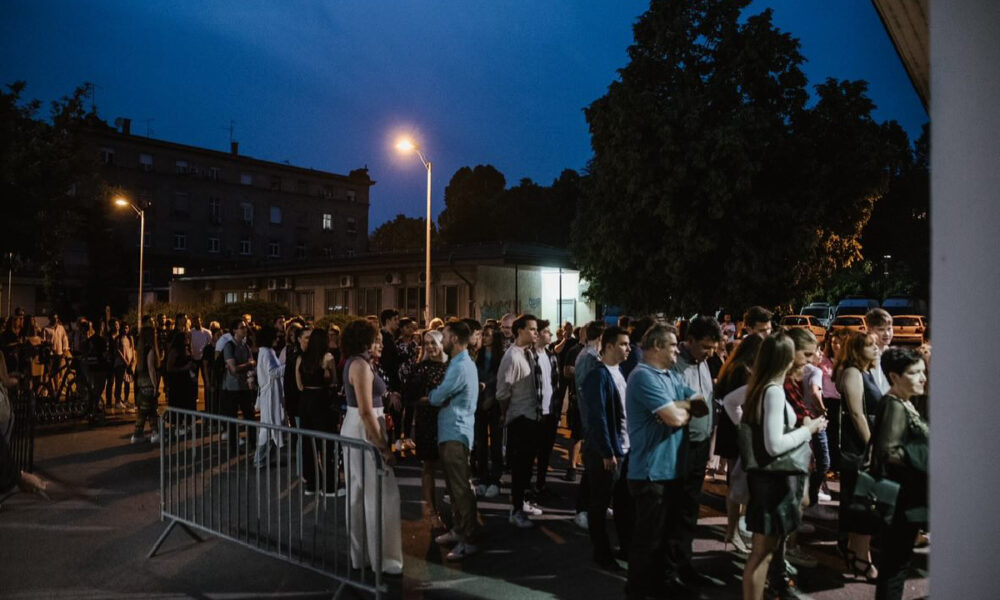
x=121 y=201
x=406 y=145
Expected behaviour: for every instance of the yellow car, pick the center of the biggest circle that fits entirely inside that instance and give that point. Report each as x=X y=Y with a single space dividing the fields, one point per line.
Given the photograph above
x=849 y=323
x=805 y=322
x=908 y=329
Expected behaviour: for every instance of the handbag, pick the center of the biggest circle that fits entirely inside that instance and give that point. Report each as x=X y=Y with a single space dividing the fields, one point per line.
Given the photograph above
x=756 y=458
x=874 y=499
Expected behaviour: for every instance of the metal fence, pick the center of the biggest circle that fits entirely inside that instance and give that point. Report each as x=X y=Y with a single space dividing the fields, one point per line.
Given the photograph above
x=22 y=433
x=214 y=480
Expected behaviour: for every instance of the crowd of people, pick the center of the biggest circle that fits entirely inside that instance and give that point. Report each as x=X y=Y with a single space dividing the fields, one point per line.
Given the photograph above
x=651 y=408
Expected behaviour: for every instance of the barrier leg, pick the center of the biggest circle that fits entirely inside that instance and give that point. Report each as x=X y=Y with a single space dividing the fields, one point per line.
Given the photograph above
x=166 y=532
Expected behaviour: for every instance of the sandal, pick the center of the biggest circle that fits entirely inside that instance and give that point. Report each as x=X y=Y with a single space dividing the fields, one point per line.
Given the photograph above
x=859 y=567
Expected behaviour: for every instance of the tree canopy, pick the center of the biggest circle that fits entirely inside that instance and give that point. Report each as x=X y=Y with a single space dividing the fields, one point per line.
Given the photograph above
x=714 y=181
x=401 y=234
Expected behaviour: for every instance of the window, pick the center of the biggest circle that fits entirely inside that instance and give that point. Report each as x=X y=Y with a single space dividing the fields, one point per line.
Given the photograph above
x=410 y=301
x=350 y=196
x=245 y=247
x=231 y=298
x=108 y=156
x=147 y=238
x=276 y=215
x=300 y=251
x=215 y=210
x=328 y=252
x=178 y=270
x=246 y=179
x=182 y=167
x=180 y=241
x=328 y=191
x=337 y=301
x=327 y=222
x=247 y=212
x=352 y=225
x=280 y=297
x=350 y=252
x=214 y=245
x=303 y=303
x=302 y=186
x=213 y=173
x=146 y=161
x=182 y=204
x=451 y=300
x=275 y=182
x=369 y=301
x=273 y=250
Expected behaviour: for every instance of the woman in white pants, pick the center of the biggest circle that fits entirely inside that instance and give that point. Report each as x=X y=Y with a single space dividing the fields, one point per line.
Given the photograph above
x=364 y=420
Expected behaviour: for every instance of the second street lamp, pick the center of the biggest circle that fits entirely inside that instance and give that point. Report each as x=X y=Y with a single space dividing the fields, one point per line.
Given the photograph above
x=122 y=201
x=407 y=145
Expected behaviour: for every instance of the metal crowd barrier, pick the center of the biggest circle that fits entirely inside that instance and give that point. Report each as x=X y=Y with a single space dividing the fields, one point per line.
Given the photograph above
x=22 y=435
x=210 y=484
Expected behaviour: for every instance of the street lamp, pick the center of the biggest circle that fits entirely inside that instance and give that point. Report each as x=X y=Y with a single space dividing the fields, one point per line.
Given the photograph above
x=123 y=202
x=407 y=145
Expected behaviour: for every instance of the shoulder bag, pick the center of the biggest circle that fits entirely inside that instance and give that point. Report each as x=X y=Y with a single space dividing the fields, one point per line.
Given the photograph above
x=756 y=458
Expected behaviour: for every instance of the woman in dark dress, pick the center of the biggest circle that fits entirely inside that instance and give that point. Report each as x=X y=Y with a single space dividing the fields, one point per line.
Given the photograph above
x=899 y=453
x=426 y=375
x=860 y=398
x=180 y=368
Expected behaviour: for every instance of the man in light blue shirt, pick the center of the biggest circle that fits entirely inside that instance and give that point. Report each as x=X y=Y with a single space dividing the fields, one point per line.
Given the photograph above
x=457 y=396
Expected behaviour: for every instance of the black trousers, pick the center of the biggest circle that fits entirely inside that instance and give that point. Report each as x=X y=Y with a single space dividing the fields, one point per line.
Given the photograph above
x=489 y=446
x=234 y=401
x=548 y=427
x=656 y=517
x=894 y=559
x=318 y=412
x=522 y=443
x=689 y=503
x=608 y=488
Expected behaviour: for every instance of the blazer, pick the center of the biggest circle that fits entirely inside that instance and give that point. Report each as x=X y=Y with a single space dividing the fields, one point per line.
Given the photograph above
x=605 y=413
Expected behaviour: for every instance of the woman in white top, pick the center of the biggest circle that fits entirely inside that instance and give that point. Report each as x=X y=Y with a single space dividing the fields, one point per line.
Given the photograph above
x=775 y=507
x=270 y=394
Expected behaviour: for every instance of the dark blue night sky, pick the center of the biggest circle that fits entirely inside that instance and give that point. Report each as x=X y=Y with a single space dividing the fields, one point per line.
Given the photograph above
x=330 y=84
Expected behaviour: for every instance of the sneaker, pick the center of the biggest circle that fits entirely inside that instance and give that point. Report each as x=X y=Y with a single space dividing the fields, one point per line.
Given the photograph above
x=581 y=520
x=308 y=490
x=823 y=496
x=530 y=508
x=520 y=520
x=800 y=558
x=182 y=431
x=739 y=546
x=242 y=442
x=480 y=490
x=154 y=439
x=448 y=538
x=461 y=550
x=224 y=436
x=135 y=439
x=492 y=490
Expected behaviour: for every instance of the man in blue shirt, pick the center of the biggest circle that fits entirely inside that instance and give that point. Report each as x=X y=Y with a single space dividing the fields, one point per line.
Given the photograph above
x=457 y=396
x=659 y=405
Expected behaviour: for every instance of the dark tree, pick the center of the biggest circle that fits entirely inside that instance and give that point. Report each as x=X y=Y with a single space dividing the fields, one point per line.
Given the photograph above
x=471 y=206
x=401 y=234
x=712 y=182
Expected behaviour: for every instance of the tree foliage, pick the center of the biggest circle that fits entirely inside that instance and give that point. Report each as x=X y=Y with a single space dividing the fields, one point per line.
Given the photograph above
x=401 y=234
x=713 y=181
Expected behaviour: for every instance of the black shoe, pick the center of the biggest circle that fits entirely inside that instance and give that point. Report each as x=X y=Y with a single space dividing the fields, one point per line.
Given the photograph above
x=695 y=579
x=570 y=474
x=610 y=566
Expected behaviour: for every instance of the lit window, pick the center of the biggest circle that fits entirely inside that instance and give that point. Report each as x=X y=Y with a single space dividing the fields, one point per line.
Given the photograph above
x=276 y=215
x=180 y=241
x=214 y=245
x=246 y=179
x=327 y=222
x=247 y=212
x=231 y=298
x=245 y=247
x=178 y=270
x=273 y=250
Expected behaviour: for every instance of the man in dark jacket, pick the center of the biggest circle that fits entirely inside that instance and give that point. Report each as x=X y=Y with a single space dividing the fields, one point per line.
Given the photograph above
x=606 y=447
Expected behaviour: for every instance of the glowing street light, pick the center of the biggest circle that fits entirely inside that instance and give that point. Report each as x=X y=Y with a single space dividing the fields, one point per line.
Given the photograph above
x=122 y=201
x=407 y=145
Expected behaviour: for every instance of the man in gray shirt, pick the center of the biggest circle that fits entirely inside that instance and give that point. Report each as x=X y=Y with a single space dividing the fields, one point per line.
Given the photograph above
x=236 y=392
x=703 y=334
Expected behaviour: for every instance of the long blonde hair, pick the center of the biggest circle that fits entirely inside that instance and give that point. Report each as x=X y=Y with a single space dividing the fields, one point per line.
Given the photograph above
x=773 y=361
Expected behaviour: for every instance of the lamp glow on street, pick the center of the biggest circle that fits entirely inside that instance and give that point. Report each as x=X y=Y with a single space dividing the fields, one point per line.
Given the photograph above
x=407 y=145
x=122 y=201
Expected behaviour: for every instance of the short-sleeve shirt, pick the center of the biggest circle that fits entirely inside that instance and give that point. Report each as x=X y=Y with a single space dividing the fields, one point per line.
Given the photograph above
x=240 y=353
x=658 y=451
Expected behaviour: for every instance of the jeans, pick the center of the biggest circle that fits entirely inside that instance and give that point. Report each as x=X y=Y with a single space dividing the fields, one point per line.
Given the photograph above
x=608 y=488
x=689 y=503
x=454 y=461
x=522 y=442
x=821 y=453
x=656 y=517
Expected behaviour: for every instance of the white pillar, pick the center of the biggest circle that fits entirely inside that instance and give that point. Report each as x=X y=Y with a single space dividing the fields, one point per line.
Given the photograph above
x=965 y=294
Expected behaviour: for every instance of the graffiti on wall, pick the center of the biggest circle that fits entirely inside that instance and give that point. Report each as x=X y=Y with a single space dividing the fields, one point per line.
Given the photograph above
x=496 y=309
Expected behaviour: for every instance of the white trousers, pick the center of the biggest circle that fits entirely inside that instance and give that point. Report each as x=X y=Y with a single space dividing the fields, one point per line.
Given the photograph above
x=361 y=481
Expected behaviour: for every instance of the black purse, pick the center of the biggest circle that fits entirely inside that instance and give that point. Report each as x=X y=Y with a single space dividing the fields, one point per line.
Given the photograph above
x=874 y=500
x=756 y=458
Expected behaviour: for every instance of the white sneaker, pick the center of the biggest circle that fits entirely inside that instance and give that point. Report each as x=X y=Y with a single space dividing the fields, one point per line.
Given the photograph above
x=800 y=558
x=520 y=520
x=480 y=490
x=581 y=520
x=154 y=439
x=492 y=490
x=739 y=546
x=135 y=439
x=182 y=431
x=461 y=550
x=530 y=508
x=823 y=496
x=224 y=436
x=448 y=538
x=610 y=513
x=242 y=442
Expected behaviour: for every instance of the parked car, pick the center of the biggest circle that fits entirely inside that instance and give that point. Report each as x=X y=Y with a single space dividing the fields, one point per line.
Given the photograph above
x=822 y=311
x=908 y=329
x=849 y=323
x=805 y=322
x=856 y=305
x=905 y=305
